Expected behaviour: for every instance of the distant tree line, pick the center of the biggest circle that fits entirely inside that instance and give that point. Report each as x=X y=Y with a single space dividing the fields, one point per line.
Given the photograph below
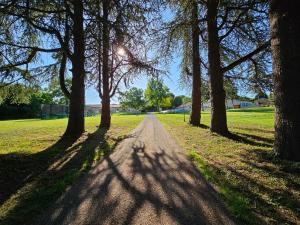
x=19 y=101
x=156 y=97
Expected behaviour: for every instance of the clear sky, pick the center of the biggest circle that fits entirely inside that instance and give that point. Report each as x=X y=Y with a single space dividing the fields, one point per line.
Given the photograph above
x=171 y=81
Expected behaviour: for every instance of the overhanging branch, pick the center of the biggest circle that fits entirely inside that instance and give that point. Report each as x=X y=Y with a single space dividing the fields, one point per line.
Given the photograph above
x=246 y=57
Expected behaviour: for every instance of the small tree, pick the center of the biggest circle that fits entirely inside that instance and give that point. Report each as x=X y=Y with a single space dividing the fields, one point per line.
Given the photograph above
x=178 y=100
x=230 y=90
x=156 y=92
x=56 y=92
x=132 y=99
x=168 y=101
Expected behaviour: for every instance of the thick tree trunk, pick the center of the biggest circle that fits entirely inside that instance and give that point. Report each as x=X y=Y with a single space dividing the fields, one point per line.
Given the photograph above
x=285 y=44
x=217 y=92
x=196 y=92
x=105 y=111
x=77 y=99
x=62 y=82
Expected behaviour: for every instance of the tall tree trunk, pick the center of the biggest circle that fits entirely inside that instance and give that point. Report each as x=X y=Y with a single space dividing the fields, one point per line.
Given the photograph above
x=76 y=107
x=217 y=92
x=105 y=110
x=285 y=44
x=196 y=92
x=63 y=62
x=62 y=82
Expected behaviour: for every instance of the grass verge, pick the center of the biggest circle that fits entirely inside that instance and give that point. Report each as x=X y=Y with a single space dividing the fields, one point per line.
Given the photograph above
x=36 y=167
x=258 y=188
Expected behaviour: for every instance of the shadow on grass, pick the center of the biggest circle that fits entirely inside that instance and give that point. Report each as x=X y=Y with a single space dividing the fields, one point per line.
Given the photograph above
x=238 y=184
x=252 y=129
x=261 y=198
x=256 y=110
x=16 y=169
x=48 y=173
x=203 y=126
x=250 y=139
x=247 y=195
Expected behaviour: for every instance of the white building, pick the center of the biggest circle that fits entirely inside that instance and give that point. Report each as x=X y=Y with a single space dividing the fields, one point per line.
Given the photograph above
x=230 y=104
x=234 y=104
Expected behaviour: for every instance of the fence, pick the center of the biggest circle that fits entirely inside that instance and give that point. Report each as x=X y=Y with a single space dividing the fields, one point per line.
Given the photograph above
x=52 y=111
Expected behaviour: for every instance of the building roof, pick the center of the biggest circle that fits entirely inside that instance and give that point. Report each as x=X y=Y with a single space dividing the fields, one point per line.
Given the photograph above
x=99 y=105
x=188 y=104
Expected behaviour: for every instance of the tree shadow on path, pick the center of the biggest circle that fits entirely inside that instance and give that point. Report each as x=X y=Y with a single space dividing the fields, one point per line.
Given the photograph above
x=141 y=185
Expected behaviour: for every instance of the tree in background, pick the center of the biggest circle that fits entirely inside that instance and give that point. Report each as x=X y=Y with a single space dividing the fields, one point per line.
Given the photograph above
x=54 y=89
x=156 y=92
x=19 y=101
x=181 y=99
x=117 y=46
x=178 y=100
x=230 y=90
x=204 y=92
x=184 y=31
x=285 y=44
x=168 y=101
x=132 y=99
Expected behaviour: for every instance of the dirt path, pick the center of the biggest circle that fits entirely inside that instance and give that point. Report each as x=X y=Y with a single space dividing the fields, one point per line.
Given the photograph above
x=147 y=180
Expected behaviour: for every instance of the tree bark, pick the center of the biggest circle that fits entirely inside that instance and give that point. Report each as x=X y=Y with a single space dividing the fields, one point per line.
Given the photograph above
x=77 y=98
x=62 y=82
x=285 y=45
x=196 y=91
x=105 y=110
x=217 y=92
x=63 y=63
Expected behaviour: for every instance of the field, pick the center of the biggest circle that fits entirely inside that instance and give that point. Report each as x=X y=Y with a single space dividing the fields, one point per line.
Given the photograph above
x=257 y=187
x=36 y=168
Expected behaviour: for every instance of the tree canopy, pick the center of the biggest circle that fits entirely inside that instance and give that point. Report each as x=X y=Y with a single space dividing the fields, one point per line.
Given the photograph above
x=132 y=99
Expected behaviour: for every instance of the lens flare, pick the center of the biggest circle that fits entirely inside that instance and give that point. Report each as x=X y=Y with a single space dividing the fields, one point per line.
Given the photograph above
x=121 y=52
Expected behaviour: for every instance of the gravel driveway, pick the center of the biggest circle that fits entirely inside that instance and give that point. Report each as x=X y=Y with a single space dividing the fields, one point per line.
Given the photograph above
x=147 y=180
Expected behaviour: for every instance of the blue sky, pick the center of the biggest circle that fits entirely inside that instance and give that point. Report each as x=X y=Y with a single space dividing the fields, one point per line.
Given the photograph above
x=171 y=81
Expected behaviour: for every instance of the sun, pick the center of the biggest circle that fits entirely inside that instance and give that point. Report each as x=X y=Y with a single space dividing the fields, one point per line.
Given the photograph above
x=121 y=51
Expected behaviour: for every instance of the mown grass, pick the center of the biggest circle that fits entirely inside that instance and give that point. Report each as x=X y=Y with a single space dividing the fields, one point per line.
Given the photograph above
x=257 y=187
x=36 y=166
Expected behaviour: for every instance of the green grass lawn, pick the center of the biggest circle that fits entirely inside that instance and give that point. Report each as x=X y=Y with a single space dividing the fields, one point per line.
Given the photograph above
x=257 y=187
x=36 y=168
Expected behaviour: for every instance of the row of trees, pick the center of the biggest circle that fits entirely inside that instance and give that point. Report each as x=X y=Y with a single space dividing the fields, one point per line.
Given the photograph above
x=217 y=39
x=110 y=34
x=156 y=96
x=231 y=39
x=19 y=101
